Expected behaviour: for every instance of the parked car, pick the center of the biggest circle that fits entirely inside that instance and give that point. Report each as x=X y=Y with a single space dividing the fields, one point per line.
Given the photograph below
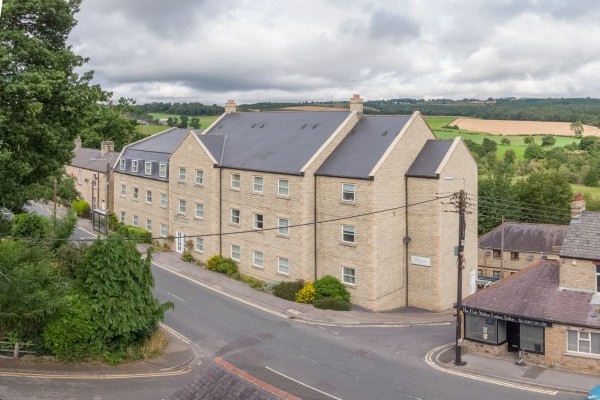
x=594 y=393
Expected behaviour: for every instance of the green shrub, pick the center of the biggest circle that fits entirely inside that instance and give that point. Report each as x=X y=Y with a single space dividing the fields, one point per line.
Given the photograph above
x=187 y=256
x=288 y=290
x=82 y=208
x=73 y=336
x=505 y=141
x=113 y=221
x=306 y=294
x=134 y=232
x=223 y=265
x=332 y=303
x=252 y=281
x=32 y=226
x=330 y=286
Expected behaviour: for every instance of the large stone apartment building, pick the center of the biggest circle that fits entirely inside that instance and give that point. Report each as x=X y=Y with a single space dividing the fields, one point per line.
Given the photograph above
x=298 y=195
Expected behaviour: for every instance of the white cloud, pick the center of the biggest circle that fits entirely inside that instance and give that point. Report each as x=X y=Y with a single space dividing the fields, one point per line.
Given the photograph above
x=267 y=50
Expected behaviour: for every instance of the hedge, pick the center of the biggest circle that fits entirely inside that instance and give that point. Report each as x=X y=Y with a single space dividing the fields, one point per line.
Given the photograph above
x=134 y=232
x=332 y=303
x=288 y=290
x=330 y=286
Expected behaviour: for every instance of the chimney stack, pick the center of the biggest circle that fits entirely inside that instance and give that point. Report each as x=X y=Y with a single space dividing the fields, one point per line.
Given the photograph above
x=77 y=142
x=230 y=106
x=106 y=147
x=577 y=206
x=356 y=104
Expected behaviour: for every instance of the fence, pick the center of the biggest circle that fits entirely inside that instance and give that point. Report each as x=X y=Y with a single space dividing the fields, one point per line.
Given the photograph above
x=15 y=348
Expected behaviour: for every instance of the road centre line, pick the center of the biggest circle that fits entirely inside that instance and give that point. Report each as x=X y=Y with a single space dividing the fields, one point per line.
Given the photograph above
x=177 y=297
x=303 y=384
x=494 y=381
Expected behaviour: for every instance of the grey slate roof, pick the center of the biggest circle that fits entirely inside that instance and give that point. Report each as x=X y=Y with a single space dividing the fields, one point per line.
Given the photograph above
x=583 y=237
x=277 y=141
x=214 y=144
x=521 y=236
x=534 y=293
x=363 y=147
x=429 y=159
x=156 y=149
x=92 y=159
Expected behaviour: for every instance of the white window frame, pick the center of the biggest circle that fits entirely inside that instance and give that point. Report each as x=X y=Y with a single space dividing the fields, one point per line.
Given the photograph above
x=235 y=211
x=236 y=181
x=163 y=199
x=347 y=277
x=148 y=225
x=199 y=244
x=257 y=184
x=258 y=221
x=199 y=179
x=134 y=165
x=162 y=170
x=182 y=177
x=123 y=190
x=580 y=339
x=135 y=193
x=123 y=215
x=351 y=194
x=286 y=188
x=199 y=210
x=148 y=168
x=122 y=162
x=182 y=206
x=283 y=262
x=597 y=278
x=258 y=259
x=136 y=220
x=236 y=251
x=148 y=196
x=283 y=229
x=163 y=230
x=344 y=233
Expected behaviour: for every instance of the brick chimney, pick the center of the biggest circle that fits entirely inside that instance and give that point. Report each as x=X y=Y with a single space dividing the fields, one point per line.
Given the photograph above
x=77 y=142
x=230 y=106
x=106 y=147
x=356 y=104
x=577 y=206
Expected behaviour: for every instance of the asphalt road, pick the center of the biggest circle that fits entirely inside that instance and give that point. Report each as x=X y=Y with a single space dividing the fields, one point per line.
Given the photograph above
x=346 y=363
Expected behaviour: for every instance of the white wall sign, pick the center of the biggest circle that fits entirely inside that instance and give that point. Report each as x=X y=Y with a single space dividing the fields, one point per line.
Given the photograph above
x=424 y=261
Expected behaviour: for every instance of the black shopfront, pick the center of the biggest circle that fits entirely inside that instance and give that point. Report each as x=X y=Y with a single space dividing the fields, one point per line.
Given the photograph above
x=519 y=333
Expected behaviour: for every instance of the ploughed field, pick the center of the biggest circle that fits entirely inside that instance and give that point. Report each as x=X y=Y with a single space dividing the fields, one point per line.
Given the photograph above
x=511 y=127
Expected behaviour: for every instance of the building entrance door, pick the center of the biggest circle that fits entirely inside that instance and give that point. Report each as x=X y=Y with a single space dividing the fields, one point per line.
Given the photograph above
x=180 y=239
x=513 y=335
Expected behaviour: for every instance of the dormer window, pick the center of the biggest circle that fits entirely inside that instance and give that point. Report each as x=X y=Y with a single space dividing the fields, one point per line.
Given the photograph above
x=148 y=168
x=134 y=165
x=122 y=164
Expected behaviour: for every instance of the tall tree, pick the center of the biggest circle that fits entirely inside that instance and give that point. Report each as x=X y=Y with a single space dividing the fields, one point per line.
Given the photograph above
x=545 y=197
x=42 y=99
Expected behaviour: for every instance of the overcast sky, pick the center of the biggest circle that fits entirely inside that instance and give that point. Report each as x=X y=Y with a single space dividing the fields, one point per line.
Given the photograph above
x=278 y=50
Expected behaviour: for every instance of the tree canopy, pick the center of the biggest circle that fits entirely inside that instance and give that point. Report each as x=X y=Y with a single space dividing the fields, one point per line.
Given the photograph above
x=42 y=98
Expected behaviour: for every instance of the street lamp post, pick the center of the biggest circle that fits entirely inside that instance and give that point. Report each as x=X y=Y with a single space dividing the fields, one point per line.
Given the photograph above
x=460 y=262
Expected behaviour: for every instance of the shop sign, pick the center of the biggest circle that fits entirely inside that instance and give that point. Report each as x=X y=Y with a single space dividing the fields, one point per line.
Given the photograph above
x=506 y=317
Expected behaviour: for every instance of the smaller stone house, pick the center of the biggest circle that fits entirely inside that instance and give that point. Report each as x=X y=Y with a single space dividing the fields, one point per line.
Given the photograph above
x=513 y=246
x=550 y=310
x=92 y=170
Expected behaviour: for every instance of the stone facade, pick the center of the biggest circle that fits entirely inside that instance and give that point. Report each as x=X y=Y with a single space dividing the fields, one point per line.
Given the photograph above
x=578 y=274
x=489 y=261
x=93 y=186
x=273 y=235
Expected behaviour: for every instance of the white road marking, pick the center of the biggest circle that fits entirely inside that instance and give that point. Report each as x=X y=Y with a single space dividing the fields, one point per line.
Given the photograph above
x=177 y=297
x=431 y=363
x=175 y=333
x=303 y=384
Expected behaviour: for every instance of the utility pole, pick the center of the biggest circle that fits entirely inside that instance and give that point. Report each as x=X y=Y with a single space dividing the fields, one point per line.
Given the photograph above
x=462 y=205
x=502 y=251
x=55 y=191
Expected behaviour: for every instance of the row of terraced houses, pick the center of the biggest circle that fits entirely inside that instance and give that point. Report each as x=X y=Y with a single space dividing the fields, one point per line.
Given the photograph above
x=302 y=194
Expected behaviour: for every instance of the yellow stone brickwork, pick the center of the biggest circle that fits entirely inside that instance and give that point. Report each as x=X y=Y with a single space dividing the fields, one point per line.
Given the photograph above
x=578 y=274
x=100 y=192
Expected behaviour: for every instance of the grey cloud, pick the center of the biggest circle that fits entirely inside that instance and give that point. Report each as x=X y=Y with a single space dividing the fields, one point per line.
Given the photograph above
x=391 y=26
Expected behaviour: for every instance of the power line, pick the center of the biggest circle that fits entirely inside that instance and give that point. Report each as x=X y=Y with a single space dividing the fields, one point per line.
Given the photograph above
x=245 y=231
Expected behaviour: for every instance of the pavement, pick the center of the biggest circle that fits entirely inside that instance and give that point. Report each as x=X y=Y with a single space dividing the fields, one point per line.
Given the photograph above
x=181 y=355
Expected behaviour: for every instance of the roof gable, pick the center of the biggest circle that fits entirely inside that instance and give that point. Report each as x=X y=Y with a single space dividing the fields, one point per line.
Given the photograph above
x=429 y=159
x=280 y=141
x=363 y=147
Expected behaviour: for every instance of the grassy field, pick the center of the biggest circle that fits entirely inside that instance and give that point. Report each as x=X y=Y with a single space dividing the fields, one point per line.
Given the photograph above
x=588 y=192
x=439 y=127
x=205 y=120
x=150 y=129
